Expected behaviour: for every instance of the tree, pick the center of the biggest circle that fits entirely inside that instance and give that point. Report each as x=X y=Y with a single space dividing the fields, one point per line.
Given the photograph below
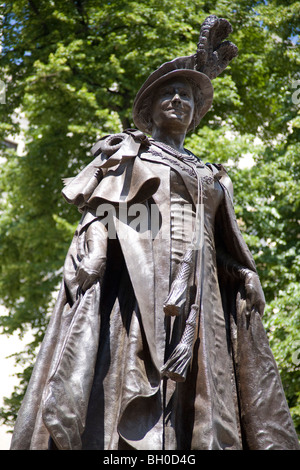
x=73 y=68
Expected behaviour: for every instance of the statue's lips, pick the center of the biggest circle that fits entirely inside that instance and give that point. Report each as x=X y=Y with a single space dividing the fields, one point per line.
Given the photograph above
x=177 y=111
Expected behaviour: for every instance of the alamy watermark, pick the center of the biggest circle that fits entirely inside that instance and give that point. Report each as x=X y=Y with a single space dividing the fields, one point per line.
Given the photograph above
x=2 y=92
x=126 y=221
x=296 y=353
x=296 y=94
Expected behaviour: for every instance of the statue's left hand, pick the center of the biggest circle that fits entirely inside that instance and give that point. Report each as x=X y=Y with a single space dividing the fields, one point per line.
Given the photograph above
x=255 y=299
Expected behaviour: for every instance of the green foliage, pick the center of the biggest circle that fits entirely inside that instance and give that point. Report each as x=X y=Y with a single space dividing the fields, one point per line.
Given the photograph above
x=73 y=68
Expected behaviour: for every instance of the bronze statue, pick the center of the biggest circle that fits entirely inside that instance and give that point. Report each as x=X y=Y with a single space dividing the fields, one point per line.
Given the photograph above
x=156 y=341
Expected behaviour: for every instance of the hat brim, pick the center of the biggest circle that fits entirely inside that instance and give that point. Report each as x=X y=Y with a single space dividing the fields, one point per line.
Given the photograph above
x=200 y=80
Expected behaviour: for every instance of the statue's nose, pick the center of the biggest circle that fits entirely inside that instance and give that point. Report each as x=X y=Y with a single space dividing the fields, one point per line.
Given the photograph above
x=176 y=97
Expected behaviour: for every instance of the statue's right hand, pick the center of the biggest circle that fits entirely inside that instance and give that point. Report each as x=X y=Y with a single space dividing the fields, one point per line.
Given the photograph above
x=85 y=275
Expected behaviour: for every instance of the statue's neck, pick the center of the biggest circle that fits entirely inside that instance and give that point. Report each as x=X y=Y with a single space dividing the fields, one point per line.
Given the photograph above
x=176 y=141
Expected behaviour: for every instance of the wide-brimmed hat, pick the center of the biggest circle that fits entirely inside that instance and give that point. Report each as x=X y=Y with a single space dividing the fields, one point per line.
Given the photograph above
x=182 y=67
x=212 y=57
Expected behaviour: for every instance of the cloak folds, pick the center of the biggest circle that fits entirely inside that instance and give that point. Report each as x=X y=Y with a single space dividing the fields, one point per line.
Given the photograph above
x=96 y=383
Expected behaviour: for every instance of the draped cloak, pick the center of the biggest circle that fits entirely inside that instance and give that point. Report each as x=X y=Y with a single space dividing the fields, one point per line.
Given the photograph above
x=97 y=380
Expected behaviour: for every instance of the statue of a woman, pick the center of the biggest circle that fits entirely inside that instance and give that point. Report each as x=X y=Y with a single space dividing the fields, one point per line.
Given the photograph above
x=156 y=341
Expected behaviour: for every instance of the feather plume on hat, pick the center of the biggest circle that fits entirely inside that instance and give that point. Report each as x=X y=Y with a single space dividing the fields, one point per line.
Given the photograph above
x=213 y=55
x=211 y=58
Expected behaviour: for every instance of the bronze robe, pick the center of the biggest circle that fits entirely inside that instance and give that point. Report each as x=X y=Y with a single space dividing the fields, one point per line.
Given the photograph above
x=97 y=382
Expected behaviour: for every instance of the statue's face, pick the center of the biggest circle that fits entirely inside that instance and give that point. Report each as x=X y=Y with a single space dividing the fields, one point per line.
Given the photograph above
x=173 y=105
